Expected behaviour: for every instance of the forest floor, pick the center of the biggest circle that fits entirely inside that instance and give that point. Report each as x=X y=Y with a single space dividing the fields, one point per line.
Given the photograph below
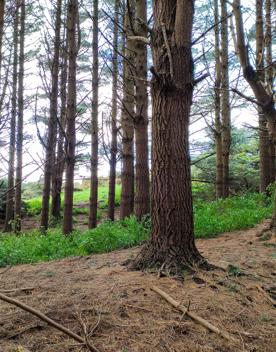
x=126 y=316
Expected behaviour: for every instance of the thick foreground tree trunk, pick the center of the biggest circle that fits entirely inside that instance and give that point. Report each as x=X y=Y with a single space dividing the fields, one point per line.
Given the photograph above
x=52 y=125
x=114 y=128
x=20 y=122
x=172 y=244
x=71 y=118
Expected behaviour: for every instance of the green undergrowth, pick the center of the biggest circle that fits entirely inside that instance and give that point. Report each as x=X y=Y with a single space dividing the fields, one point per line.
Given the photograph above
x=211 y=218
x=35 y=247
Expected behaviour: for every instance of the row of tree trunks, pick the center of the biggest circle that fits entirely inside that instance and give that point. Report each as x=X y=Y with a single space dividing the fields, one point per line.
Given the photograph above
x=114 y=111
x=94 y=123
x=71 y=118
x=2 y=12
x=127 y=116
x=52 y=124
x=20 y=120
x=263 y=96
x=10 y=195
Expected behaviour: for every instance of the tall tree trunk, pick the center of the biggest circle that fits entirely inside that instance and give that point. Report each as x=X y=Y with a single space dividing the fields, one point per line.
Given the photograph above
x=142 y=192
x=225 y=104
x=263 y=131
x=71 y=118
x=127 y=193
x=20 y=122
x=2 y=12
x=269 y=77
x=172 y=244
x=52 y=124
x=218 y=128
x=10 y=195
x=114 y=110
x=264 y=98
x=94 y=122
x=60 y=158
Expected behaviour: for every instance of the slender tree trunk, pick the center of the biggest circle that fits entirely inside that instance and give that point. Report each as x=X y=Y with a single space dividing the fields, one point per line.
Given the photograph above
x=60 y=158
x=114 y=110
x=225 y=104
x=127 y=193
x=2 y=12
x=94 y=122
x=10 y=195
x=269 y=77
x=218 y=128
x=20 y=121
x=142 y=191
x=52 y=124
x=263 y=131
x=172 y=244
x=71 y=118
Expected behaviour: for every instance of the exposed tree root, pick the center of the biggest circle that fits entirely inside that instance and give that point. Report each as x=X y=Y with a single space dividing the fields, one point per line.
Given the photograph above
x=170 y=262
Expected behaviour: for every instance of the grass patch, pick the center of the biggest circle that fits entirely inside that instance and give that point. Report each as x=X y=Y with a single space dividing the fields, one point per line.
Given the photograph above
x=81 y=199
x=34 y=247
x=233 y=213
x=211 y=218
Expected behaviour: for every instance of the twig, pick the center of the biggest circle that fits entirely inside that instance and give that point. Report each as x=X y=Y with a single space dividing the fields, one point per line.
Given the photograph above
x=268 y=298
x=195 y=317
x=164 y=31
x=4 y=271
x=51 y=322
x=12 y=290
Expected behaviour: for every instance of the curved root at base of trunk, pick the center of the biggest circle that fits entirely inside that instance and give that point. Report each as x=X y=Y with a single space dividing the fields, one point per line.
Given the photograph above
x=169 y=263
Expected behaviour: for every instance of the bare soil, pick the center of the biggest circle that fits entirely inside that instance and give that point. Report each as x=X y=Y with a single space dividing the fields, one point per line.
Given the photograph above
x=124 y=315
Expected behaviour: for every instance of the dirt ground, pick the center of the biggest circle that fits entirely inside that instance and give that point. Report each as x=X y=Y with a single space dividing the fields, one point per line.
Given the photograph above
x=122 y=314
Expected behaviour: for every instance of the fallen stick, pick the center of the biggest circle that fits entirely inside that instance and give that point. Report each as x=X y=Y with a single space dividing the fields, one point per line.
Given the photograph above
x=267 y=296
x=12 y=290
x=193 y=316
x=48 y=320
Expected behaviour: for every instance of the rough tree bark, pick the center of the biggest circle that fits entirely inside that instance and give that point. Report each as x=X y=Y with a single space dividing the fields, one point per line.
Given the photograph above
x=71 y=118
x=2 y=12
x=60 y=157
x=269 y=76
x=127 y=193
x=20 y=121
x=94 y=121
x=9 y=216
x=225 y=104
x=52 y=124
x=172 y=246
x=142 y=184
x=264 y=142
x=114 y=110
x=218 y=128
x=264 y=98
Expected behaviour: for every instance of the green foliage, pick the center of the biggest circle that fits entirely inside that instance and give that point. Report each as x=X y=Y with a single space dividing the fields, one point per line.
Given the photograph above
x=211 y=218
x=34 y=247
x=81 y=198
x=233 y=213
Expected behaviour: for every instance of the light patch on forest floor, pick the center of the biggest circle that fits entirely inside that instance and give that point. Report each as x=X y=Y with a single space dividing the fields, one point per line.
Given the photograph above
x=131 y=317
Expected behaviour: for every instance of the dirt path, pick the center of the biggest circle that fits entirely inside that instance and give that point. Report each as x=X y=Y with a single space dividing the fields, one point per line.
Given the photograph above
x=131 y=317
